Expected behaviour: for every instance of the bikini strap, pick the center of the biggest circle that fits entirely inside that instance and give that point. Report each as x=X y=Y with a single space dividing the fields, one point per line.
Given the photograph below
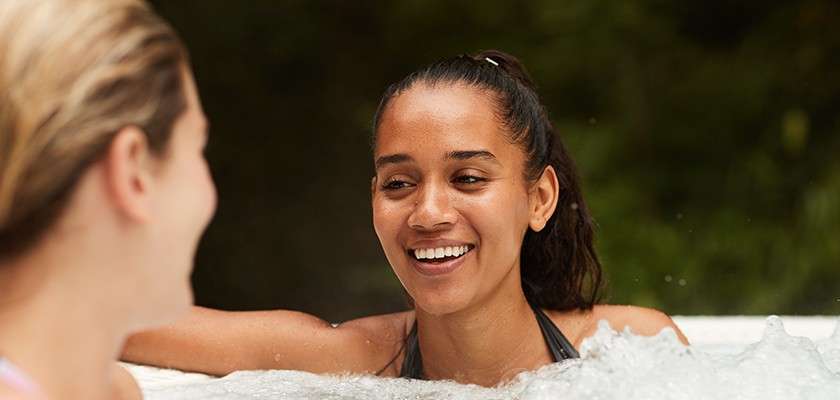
x=412 y=365
x=16 y=379
x=558 y=345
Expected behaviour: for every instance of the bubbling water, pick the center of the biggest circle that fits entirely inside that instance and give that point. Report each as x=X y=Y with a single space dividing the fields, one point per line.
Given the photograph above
x=625 y=366
x=613 y=365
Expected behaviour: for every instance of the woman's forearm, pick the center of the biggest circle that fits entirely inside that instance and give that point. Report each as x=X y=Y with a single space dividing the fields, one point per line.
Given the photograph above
x=201 y=342
x=220 y=342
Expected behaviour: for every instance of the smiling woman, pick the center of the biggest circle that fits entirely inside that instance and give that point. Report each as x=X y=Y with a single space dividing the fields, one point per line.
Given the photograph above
x=492 y=138
x=479 y=213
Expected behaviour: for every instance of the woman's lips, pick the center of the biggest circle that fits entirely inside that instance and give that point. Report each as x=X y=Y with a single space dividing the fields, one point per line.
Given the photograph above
x=436 y=268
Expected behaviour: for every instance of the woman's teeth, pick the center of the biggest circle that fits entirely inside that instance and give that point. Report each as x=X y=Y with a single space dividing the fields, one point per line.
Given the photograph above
x=440 y=252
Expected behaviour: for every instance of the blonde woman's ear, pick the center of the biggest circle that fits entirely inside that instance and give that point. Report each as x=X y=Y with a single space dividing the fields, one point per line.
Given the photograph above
x=543 y=198
x=128 y=173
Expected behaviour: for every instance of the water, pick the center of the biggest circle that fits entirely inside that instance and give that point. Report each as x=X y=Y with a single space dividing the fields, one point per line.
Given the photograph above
x=614 y=365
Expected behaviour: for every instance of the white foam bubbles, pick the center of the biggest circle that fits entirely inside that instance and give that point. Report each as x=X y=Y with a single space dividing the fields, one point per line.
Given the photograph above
x=614 y=365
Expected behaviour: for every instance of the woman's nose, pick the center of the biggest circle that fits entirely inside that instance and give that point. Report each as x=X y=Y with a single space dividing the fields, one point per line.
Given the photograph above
x=432 y=209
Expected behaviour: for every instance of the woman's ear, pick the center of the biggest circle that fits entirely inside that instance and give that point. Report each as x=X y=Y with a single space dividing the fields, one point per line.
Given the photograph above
x=128 y=173
x=542 y=199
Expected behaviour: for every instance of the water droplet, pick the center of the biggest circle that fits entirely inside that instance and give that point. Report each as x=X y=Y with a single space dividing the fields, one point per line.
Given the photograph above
x=669 y=278
x=682 y=282
x=574 y=206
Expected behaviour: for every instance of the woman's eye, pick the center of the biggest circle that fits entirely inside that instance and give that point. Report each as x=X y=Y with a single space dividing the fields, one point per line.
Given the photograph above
x=395 y=185
x=468 y=179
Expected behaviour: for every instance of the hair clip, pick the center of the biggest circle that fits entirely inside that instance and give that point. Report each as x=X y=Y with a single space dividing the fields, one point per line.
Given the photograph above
x=488 y=59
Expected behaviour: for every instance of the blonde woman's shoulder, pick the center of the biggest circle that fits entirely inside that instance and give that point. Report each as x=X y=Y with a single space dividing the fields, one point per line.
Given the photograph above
x=8 y=393
x=124 y=387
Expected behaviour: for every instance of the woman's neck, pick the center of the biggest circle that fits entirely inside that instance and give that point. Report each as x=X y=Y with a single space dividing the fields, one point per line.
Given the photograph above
x=488 y=344
x=51 y=332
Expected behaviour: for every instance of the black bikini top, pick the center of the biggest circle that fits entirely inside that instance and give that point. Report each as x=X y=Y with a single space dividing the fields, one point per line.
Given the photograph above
x=558 y=345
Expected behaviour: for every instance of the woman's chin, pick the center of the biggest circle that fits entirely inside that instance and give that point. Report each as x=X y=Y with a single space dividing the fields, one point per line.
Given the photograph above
x=439 y=304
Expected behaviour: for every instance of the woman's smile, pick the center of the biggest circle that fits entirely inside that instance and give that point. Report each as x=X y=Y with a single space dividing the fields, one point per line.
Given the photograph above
x=436 y=258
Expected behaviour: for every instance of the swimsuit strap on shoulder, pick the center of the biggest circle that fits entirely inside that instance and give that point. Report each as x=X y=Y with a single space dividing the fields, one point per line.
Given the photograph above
x=412 y=366
x=560 y=347
x=557 y=343
x=16 y=379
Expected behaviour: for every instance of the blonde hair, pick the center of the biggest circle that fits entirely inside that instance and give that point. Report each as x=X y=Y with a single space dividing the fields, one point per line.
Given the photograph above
x=72 y=74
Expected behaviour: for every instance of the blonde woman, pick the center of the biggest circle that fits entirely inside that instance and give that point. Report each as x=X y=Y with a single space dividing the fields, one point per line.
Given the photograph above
x=104 y=190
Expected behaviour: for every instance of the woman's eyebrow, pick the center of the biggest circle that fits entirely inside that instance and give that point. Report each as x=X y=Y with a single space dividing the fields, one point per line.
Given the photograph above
x=452 y=155
x=392 y=159
x=470 y=154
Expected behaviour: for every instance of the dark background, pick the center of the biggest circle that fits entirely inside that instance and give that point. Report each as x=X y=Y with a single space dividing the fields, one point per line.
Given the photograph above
x=707 y=134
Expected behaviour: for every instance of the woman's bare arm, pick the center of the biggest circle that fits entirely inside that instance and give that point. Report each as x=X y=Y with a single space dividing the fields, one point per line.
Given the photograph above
x=219 y=342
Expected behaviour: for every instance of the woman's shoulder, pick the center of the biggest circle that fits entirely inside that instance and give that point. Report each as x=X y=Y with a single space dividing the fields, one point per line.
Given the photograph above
x=386 y=331
x=15 y=384
x=394 y=323
x=123 y=384
x=9 y=393
x=384 y=336
x=640 y=320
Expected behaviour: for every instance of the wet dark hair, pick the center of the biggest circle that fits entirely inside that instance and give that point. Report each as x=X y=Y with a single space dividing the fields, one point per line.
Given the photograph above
x=560 y=269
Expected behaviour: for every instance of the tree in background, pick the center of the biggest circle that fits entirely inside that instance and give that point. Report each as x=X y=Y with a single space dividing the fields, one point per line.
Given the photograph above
x=707 y=134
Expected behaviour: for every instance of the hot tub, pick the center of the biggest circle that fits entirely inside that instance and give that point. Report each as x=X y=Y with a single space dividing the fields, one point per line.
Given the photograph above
x=733 y=357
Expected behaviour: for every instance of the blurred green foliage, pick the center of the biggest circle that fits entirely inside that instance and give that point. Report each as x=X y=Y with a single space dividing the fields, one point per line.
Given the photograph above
x=707 y=134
